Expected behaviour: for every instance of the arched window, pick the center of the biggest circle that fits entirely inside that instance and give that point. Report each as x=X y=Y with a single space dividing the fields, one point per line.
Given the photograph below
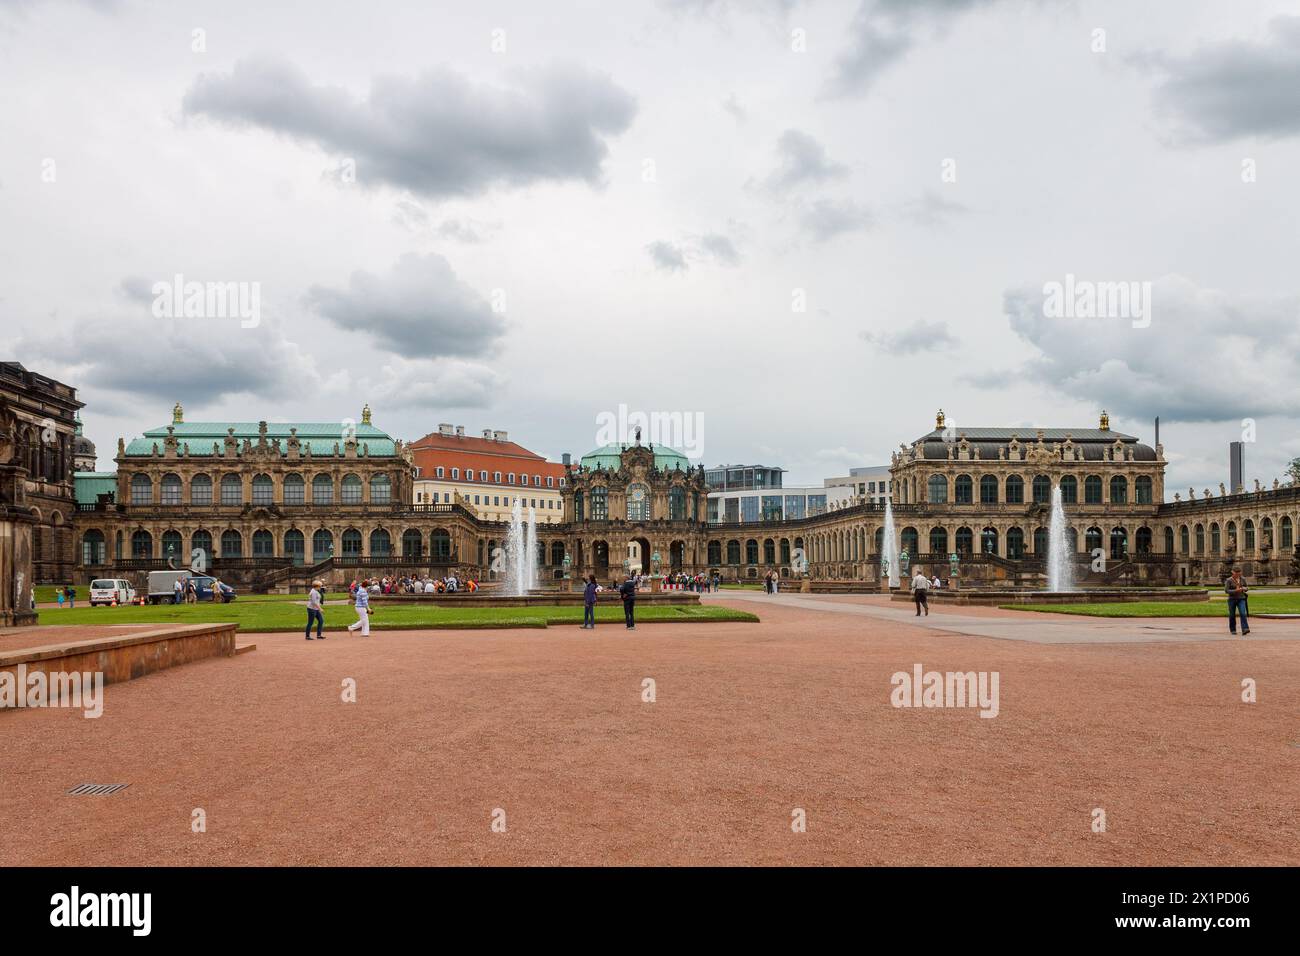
x=440 y=544
x=1169 y=540
x=965 y=541
x=232 y=490
x=351 y=543
x=263 y=544
x=1040 y=539
x=785 y=550
x=577 y=506
x=141 y=490
x=294 y=546
x=557 y=554
x=1287 y=531
x=988 y=490
x=880 y=541
x=677 y=504
x=413 y=543
x=1015 y=493
x=937 y=489
x=1069 y=490
x=381 y=543
x=201 y=490
x=751 y=551
x=141 y=544
x=1118 y=542
x=715 y=552
x=1119 y=490
x=938 y=541
x=908 y=541
x=638 y=503
x=1200 y=539
x=963 y=490
x=1249 y=529
x=201 y=541
x=322 y=489
x=322 y=542
x=171 y=489
x=1015 y=543
x=1142 y=489
x=1092 y=490
x=94 y=549
x=1266 y=530
x=1214 y=537
x=1092 y=539
x=733 y=552
x=171 y=546
x=1042 y=489
x=769 y=551
x=1143 y=542
x=351 y=494
x=381 y=490
x=232 y=544
x=263 y=491
x=1184 y=540
x=989 y=540
x=600 y=503
x=294 y=489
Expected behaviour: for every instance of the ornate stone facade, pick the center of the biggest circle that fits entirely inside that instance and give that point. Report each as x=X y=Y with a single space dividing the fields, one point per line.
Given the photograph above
x=631 y=504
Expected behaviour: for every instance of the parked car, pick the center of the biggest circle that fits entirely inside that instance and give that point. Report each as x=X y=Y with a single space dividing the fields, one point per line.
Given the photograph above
x=107 y=590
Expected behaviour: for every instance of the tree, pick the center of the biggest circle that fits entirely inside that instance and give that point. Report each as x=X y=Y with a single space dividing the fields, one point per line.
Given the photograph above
x=1292 y=474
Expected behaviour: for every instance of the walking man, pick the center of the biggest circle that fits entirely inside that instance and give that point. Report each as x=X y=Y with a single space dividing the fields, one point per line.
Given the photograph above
x=178 y=589
x=589 y=604
x=363 y=610
x=1236 y=589
x=628 y=590
x=314 y=611
x=920 y=592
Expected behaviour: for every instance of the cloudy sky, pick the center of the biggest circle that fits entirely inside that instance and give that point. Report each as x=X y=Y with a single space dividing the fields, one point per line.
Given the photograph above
x=811 y=223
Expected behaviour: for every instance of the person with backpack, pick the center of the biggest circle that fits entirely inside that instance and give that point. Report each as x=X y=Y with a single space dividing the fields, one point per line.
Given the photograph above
x=1236 y=590
x=589 y=604
x=628 y=591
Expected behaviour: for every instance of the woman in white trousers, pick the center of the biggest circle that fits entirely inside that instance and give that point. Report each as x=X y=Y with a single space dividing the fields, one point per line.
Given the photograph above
x=363 y=610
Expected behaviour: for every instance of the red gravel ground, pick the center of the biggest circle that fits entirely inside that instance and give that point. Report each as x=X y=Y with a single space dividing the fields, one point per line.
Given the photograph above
x=750 y=722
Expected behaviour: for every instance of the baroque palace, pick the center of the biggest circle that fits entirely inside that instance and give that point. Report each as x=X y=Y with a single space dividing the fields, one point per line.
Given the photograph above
x=273 y=505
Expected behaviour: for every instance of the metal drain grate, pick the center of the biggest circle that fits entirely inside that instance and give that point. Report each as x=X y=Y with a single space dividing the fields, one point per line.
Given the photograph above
x=97 y=789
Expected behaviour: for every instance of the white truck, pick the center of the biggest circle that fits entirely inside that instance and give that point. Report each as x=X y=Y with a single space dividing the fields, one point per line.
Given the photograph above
x=162 y=585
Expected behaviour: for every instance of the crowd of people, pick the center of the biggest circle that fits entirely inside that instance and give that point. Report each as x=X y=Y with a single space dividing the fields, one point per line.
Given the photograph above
x=410 y=584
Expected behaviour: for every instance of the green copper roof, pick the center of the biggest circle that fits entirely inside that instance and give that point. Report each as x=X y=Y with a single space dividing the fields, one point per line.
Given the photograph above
x=609 y=458
x=90 y=485
x=319 y=436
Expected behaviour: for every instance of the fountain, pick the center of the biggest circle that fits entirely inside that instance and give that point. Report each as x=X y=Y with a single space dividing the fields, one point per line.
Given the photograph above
x=889 y=548
x=521 y=550
x=1060 y=556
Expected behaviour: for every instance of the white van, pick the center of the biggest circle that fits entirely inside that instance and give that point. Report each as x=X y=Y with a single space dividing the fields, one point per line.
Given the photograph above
x=108 y=590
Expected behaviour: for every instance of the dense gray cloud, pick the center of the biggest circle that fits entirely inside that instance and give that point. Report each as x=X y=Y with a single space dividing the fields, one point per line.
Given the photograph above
x=678 y=256
x=881 y=33
x=721 y=248
x=142 y=358
x=919 y=337
x=1233 y=88
x=827 y=218
x=419 y=308
x=802 y=161
x=1206 y=356
x=437 y=134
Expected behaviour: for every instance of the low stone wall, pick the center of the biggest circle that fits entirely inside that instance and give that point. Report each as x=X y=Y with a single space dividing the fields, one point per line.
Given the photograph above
x=127 y=656
x=997 y=596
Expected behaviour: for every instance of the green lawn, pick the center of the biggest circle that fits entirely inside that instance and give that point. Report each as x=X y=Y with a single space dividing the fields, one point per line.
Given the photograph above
x=277 y=615
x=1288 y=603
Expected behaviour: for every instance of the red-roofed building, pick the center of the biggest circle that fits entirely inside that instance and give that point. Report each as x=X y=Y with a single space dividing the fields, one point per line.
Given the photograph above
x=486 y=473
